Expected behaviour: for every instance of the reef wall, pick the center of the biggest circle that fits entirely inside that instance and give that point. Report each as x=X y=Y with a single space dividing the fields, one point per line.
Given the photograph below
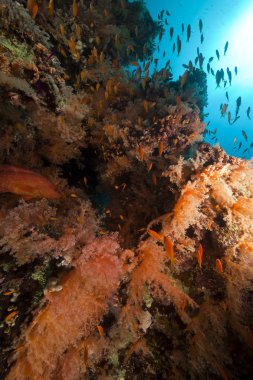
x=126 y=244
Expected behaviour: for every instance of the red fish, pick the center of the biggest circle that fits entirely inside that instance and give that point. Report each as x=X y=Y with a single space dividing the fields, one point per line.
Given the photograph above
x=169 y=249
x=26 y=183
x=200 y=255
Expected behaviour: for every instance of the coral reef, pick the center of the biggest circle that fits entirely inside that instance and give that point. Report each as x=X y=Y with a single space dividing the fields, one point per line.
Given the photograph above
x=125 y=241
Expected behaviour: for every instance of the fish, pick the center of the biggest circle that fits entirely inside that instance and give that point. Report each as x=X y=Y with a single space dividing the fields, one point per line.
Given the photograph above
x=229 y=117
x=150 y=165
x=218 y=78
x=240 y=145
x=51 y=8
x=167 y=13
x=200 y=25
x=200 y=255
x=74 y=8
x=208 y=67
x=30 y=5
x=238 y=105
x=78 y=32
x=245 y=135
x=166 y=22
x=201 y=39
x=190 y=65
x=196 y=60
x=154 y=179
x=182 y=26
x=26 y=183
x=227 y=96
x=188 y=32
x=141 y=152
x=201 y=60
x=160 y=148
x=217 y=54
x=179 y=44
x=168 y=245
x=229 y=73
x=72 y=45
x=10 y=316
x=248 y=113
x=222 y=74
x=235 y=120
x=224 y=109
x=145 y=105
x=226 y=48
x=210 y=59
x=35 y=11
x=174 y=47
x=212 y=72
x=236 y=70
x=155 y=235
x=62 y=30
x=101 y=331
x=171 y=32
x=219 y=266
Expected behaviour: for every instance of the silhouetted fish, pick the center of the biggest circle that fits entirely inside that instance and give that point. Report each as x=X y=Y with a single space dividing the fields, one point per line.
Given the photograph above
x=188 y=32
x=226 y=48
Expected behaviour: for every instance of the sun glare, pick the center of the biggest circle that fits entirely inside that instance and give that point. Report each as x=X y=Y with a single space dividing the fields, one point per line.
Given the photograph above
x=241 y=45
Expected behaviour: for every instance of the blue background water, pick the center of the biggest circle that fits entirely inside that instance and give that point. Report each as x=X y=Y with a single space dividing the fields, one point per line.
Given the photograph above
x=223 y=20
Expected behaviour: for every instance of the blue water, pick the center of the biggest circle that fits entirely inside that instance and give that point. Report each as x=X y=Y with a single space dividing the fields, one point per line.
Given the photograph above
x=223 y=20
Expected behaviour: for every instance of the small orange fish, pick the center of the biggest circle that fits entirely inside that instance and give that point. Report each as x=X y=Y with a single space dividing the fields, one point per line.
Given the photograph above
x=160 y=148
x=106 y=13
x=35 y=11
x=78 y=31
x=141 y=153
x=29 y=5
x=10 y=316
x=72 y=45
x=150 y=165
x=219 y=266
x=200 y=255
x=145 y=105
x=101 y=331
x=51 y=8
x=9 y=293
x=169 y=249
x=75 y=8
x=155 y=235
x=154 y=179
x=62 y=30
x=82 y=75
